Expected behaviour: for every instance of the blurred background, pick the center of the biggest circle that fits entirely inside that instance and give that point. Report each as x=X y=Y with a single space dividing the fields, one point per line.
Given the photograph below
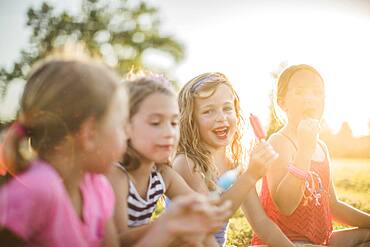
x=249 y=41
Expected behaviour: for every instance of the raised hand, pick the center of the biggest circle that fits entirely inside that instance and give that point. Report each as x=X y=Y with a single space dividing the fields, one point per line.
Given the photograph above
x=263 y=154
x=308 y=135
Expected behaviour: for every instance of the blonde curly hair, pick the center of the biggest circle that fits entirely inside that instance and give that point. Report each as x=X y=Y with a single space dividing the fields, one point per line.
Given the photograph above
x=190 y=143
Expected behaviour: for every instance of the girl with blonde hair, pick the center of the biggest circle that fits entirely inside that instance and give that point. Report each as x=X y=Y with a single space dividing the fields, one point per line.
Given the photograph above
x=211 y=128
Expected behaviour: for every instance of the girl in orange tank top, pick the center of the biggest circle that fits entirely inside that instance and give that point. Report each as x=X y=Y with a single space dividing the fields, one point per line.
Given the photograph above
x=298 y=192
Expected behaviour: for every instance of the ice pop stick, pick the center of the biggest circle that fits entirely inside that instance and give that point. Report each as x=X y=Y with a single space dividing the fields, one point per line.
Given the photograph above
x=257 y=128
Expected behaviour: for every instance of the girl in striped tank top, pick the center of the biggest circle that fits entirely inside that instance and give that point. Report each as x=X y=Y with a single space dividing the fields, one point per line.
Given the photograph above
x=144 y=174
x=298 y=192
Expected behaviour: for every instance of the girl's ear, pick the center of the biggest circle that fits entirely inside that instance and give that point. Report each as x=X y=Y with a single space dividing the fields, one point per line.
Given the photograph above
x=86 y=134
x=281 y=104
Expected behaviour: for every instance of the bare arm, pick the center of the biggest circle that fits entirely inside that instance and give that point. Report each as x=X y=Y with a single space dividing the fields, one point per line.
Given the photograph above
x=128 y=236
x=266 y=229
x=236 y=194
x=158 y=235
x=190 y=215
x=177 y=185
x=286 y=190
x=345 y=213
x=261 y=156
x=119 y=182
x=110 y=237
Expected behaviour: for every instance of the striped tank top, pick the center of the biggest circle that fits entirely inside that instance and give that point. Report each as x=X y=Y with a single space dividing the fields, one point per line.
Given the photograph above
x=140 y=209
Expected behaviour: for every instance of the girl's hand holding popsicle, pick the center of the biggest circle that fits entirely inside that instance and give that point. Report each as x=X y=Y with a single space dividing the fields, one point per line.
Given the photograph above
x=262 y=154
x=261 y=157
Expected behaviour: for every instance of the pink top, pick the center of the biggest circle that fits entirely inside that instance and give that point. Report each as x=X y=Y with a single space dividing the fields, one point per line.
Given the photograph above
x=36 y=207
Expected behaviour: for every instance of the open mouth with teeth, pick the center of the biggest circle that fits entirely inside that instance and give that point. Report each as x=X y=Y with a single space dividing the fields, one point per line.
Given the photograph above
x=221 y=132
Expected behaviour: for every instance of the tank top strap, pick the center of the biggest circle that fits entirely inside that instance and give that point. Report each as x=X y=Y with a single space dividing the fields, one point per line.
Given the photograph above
x=290 y=140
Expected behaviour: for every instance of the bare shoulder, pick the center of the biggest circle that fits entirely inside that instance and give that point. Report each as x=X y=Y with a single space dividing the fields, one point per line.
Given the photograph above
x=183 y=165
x=166 y=171
x=283 y=147
x=324 y=146
x=279 y=142
x=118 y=178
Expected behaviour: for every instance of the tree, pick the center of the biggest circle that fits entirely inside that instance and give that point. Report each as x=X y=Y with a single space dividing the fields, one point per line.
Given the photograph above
x=345 y=131
x=120 y=33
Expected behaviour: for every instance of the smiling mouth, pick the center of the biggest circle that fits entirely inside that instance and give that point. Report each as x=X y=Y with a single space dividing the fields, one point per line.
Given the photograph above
x=221 y=132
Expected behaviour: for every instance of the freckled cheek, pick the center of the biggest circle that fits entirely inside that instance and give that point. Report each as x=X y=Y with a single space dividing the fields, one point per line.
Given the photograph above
x=206 y=123
x=232 y=122
x=232 y=119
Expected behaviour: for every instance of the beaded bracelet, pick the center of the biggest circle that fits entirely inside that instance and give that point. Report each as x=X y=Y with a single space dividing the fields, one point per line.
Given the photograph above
x=297 y=172
x=311 y=178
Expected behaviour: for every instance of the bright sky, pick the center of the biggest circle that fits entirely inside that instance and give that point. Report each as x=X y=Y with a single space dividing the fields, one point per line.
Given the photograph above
x=247 y=40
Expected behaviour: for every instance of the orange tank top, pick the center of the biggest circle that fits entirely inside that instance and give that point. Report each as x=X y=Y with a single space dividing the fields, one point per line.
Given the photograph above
x=308 y=222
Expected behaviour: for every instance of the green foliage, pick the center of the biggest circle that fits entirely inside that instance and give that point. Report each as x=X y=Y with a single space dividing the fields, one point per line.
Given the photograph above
x=239 y=231
x=119 y=32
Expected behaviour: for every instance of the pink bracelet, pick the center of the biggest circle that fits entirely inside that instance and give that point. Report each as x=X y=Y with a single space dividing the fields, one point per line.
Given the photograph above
x=297 y=172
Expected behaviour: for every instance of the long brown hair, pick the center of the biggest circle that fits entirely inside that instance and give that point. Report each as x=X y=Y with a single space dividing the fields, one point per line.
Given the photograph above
x=141 y=85
x=282 y=89
x=284 y=78
x=190 y=142
x=60 y=94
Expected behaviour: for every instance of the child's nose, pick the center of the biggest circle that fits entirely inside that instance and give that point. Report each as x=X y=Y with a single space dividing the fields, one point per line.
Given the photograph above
x=310 y=97
x=221 y=116
x=170 y=130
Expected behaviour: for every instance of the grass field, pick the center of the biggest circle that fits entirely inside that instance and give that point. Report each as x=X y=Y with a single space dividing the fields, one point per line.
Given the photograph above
x=352 y=181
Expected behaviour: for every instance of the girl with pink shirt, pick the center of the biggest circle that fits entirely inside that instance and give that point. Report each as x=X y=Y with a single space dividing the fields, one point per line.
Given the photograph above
x=72 y=113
